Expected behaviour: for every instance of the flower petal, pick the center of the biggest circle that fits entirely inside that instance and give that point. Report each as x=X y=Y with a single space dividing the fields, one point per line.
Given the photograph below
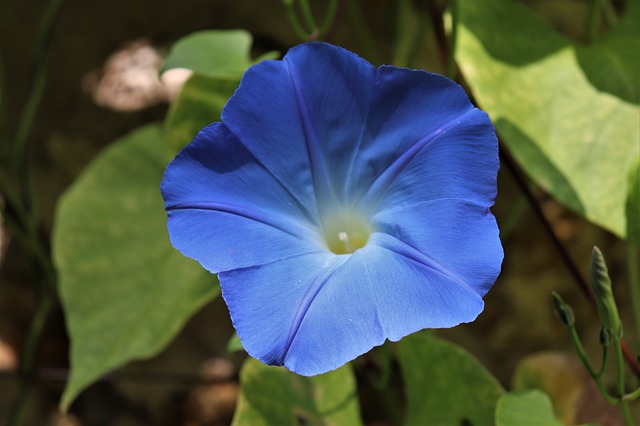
x=459 y=236
x=227 y=211
x=302 y=117
x=326 y=310
x=379 y=292
x=268 y=302
x=413 y=111
x=460 y=161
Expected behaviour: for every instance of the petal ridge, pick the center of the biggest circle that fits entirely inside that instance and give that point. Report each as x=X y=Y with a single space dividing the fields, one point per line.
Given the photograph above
x=407 y=251
x=308 y=299
x=320 y=174
x=281 y=225
x=432 y=201
x=356 y=151
x=386 y=178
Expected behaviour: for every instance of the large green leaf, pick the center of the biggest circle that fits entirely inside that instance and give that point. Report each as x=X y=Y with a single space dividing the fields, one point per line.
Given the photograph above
x=574 y=130
x=276 y=396
x=445 y=384
x=199 y=103
x=214 y=53
x=525 y=408
x=224 y=54
x=125 y=291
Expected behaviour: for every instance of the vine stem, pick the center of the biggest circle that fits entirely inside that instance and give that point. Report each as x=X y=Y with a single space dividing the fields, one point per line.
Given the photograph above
x=40 y=267
x=624 y=404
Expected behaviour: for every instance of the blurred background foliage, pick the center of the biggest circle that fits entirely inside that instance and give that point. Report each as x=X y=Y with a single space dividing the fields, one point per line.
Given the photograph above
x=149 y=334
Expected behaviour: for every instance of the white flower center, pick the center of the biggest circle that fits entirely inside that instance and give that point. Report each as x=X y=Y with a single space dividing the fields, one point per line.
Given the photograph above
x=346 y=231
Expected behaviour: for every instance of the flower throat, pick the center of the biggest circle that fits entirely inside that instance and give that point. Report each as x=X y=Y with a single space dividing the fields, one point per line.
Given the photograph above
x=346 y=232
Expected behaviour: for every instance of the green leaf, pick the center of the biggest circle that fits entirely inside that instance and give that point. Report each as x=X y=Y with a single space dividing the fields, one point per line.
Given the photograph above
x=445 y=384
x=572 y=131
x=523 y=408
x=199 y=103
x=612 y=64
x=212 y=53
x=125 y=291
x=275 y=396
x=218 y=58
x=234 y=344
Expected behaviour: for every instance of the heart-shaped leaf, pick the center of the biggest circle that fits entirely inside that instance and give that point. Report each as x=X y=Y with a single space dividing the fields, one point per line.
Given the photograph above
x=126 y=291
x=573 y=129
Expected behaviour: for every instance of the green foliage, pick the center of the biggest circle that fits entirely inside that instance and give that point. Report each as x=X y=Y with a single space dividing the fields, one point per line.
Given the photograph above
x=125 y=291
x=524 y=408
x=568 y=113
x=275 y=396
x=218 y=59
x=445 y=384
x=213 y=53
x=223 y=54
x=199 y=103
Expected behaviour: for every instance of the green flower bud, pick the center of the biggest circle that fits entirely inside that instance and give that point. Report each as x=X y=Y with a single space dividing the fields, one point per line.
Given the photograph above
x=563 y=311
x=605 y=302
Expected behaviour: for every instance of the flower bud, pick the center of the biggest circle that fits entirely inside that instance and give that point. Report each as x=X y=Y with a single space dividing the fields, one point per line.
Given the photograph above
x=605 y=302
x=563 y=311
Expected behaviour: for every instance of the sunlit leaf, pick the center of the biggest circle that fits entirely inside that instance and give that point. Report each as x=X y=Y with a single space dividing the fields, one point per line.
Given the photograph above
x=125 y=291
x=214 y=53
x=445 y=384
x=222 y=54
x=569 y=126
x=276 y=396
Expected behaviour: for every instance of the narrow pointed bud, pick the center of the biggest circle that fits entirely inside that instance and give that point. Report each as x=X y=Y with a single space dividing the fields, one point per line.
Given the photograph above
x=563 y=311
x=605 y=302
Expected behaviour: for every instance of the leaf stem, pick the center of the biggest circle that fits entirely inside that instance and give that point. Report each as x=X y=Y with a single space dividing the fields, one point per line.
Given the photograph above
x=582 y=354
x=624 y=404
x=633 y=395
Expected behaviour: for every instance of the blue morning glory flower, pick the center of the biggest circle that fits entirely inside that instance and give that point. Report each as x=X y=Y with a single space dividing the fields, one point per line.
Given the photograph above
x=341 y=205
